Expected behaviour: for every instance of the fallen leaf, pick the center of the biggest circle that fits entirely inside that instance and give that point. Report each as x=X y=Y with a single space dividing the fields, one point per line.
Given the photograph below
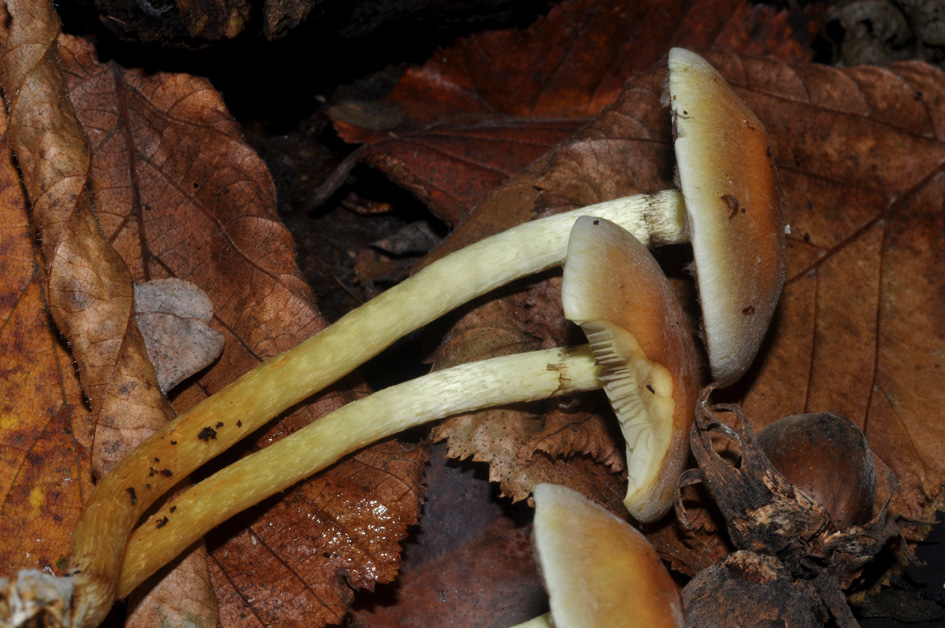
x=297 y=560
x=174 y=317
x=481 y=110
x=89 y=296
x=860 y=154
x=45 y=430
x=590 y=167
x=466 y=531
x=181 y=195
x=510 y=439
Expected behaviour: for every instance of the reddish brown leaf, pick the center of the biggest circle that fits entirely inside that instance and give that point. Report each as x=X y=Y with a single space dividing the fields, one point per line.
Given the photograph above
x=859 y=333
x=861 y=155
x=465 y=533
x=343 y=527
x=481 y=110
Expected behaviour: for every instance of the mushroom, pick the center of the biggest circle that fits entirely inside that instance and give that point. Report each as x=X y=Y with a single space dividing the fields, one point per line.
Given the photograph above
x=598 y=570
x=735 y=211
x=651 y=371
x=616 y=273
x=288 y=378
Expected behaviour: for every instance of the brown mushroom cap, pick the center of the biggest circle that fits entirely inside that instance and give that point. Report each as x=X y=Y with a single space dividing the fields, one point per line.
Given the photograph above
x=599 y=570
x=619 y=295
x=735 y=209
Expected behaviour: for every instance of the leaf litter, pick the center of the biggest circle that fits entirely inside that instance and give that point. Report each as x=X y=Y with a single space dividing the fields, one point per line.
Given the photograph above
x=860 y=211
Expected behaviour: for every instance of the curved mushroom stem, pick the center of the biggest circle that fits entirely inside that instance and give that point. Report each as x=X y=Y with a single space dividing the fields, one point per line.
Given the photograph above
x=663 y=218
x=211 y=427
x=464 y=388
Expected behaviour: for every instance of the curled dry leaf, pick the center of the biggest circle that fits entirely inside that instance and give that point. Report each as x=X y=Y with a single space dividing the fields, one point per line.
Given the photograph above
x=89 y=295
x=482 y=109
x=180 y=195
x=45 y=430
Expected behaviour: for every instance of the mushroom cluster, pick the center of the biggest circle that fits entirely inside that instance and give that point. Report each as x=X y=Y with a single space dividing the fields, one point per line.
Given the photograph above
x=728 y=206
x=640 y=349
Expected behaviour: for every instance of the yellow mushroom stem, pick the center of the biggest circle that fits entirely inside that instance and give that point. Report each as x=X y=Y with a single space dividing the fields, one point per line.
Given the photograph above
x=497 y=381
x=214 y=425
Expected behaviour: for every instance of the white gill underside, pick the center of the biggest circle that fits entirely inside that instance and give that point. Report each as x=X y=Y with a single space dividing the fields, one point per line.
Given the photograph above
x=640 y=393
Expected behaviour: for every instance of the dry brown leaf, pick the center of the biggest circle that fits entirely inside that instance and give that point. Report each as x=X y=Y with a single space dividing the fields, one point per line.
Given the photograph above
x=481 y=110
x=860 y=333
x=344 y=527
x=509 y=439
x=566 y=432
x=181 y=195
x=591 y=167
x=859 y=330
x=174 y=317
x=89 y=295
x=45 y=430
x=466 y=532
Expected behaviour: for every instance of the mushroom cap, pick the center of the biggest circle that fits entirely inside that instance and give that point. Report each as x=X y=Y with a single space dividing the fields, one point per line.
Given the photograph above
x=598 y=569
x=619 y=295
x=735 y=209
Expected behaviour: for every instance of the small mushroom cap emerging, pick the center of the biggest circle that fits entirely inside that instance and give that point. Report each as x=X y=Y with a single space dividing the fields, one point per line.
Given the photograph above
x=619 y=295
x=735 y=209
x=599 y=570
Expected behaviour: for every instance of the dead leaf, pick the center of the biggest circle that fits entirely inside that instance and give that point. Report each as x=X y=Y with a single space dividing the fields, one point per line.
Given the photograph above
x=589 y=168
x=45 y=430
x=181 y=195
x=860 y=334
x=173 y=316
x=465 y=532
x=89 y=295
x=301 y=556
x=860 y=153
x=481 y=110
